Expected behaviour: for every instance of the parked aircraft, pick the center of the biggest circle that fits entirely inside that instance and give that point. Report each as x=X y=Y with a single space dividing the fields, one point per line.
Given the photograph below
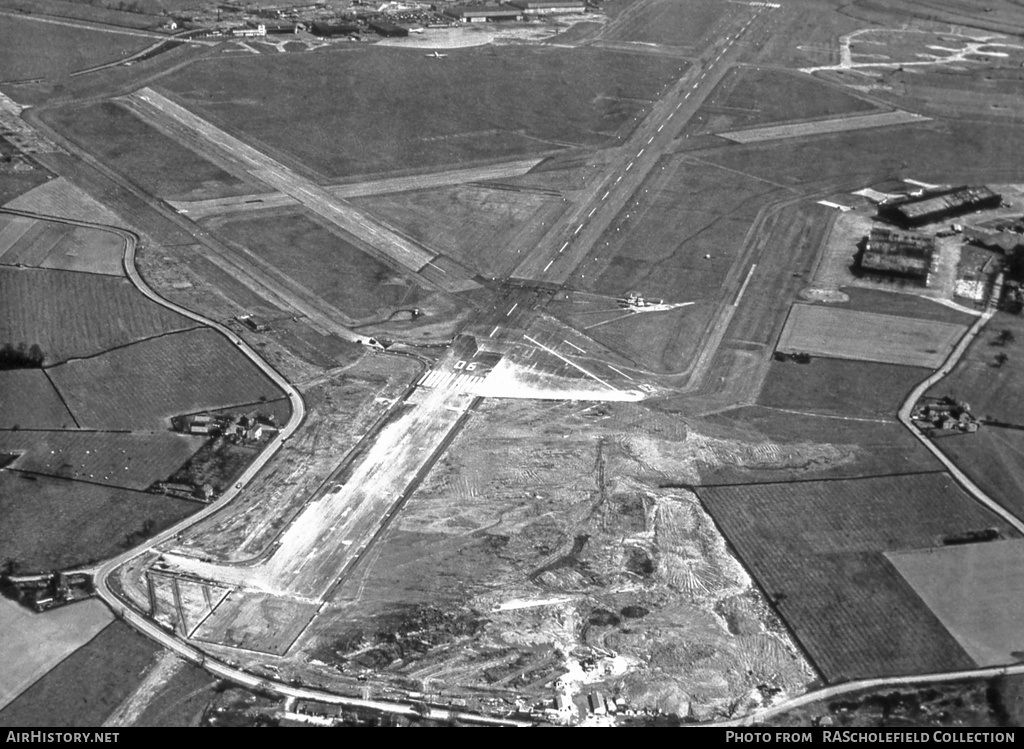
x=436 y=55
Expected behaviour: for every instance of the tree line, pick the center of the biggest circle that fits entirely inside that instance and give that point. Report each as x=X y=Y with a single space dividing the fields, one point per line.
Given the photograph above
x=21 y=356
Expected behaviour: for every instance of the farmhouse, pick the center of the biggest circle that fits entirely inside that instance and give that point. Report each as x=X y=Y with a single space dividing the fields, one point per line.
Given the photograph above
x=938 y=205
x=482 y=13
x=549 y=7
x=900 y=253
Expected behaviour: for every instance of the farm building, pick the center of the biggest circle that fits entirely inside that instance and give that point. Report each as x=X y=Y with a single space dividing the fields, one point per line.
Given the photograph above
x=549 y=7
x=898 y=253
x=482 y=13
x=938 y=205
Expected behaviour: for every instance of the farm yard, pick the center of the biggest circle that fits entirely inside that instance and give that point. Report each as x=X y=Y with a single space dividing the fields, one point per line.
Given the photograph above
x=143 y=154
x=126 y=460
x=51 y=523
x=141 y=386
x=816 y=548
x=887 y=339
x=28 y=400
x=976 y=591
x=71 y=315
x=484 y=103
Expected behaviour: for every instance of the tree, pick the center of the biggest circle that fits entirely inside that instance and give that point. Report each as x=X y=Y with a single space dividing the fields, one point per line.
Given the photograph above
x=1001 y=359
x=1005 y=336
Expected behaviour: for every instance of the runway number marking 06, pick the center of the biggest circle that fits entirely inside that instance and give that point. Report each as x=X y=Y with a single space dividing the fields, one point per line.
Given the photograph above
x=462 y=364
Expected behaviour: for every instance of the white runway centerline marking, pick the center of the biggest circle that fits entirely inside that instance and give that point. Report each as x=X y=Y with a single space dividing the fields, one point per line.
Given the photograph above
x=494 y=331
x=578 y=229
x=592 y=210
x=548 y=265
x=511 y=310
x=660 y=127
x=563 y=247
x=605 y=196
x=629 y=166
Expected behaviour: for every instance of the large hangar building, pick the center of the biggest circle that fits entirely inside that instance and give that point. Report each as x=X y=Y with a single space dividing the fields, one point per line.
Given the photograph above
x=939 y=205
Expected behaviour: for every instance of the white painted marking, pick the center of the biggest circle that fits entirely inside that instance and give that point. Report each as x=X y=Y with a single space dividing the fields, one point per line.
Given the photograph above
x=511 y=310
x=670 y=115
x=592 y=210
x=619 y=179
x=620 y=372
x=574 y=346
x=641 y=152
x=650 y=140
x=660 y=127
x=629 y=166
x=605 y=196
x=578 y=229
x=548 y=265
x=743 y=288
x=563 y=247
x=494 y=331
x=570 y=363
x=687 y=95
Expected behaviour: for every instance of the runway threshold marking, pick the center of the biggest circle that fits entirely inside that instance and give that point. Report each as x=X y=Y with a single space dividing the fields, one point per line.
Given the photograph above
x=571 y=363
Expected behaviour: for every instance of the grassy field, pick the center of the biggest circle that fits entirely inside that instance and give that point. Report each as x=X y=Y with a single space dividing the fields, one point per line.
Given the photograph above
x=840 y=387
x=669 y=22
x=325 y=264
x=28 y=400
x=31 y=49
x=181 y=700
x=88 y=685
x=482 y=103
x=993 y=458
x=822 y=127
x=144 y=155
x=976 y=591
x=77 y=314
x=657 y=246
x=19 y=175
x=903 y=305
x=965 y=152
x=473 y=225
x=872 y=448
x=142 y=385
x=34 y=643
x=994 y=392
x=29 y=242
x=747 y=97
x=816 y=548
x=129 y=461
x=845 y=334
x=52 y=523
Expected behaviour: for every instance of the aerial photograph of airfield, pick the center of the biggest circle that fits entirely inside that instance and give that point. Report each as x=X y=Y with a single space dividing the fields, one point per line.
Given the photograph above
x=515 y=363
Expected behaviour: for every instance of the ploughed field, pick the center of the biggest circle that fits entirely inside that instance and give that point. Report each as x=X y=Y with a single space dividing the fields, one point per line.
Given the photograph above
x=816 y=548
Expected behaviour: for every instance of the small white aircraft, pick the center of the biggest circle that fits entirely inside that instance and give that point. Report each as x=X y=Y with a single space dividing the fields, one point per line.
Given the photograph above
x=435 y=55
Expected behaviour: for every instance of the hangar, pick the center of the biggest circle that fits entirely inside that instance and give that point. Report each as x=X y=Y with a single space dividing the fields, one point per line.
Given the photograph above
x=938 y=205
